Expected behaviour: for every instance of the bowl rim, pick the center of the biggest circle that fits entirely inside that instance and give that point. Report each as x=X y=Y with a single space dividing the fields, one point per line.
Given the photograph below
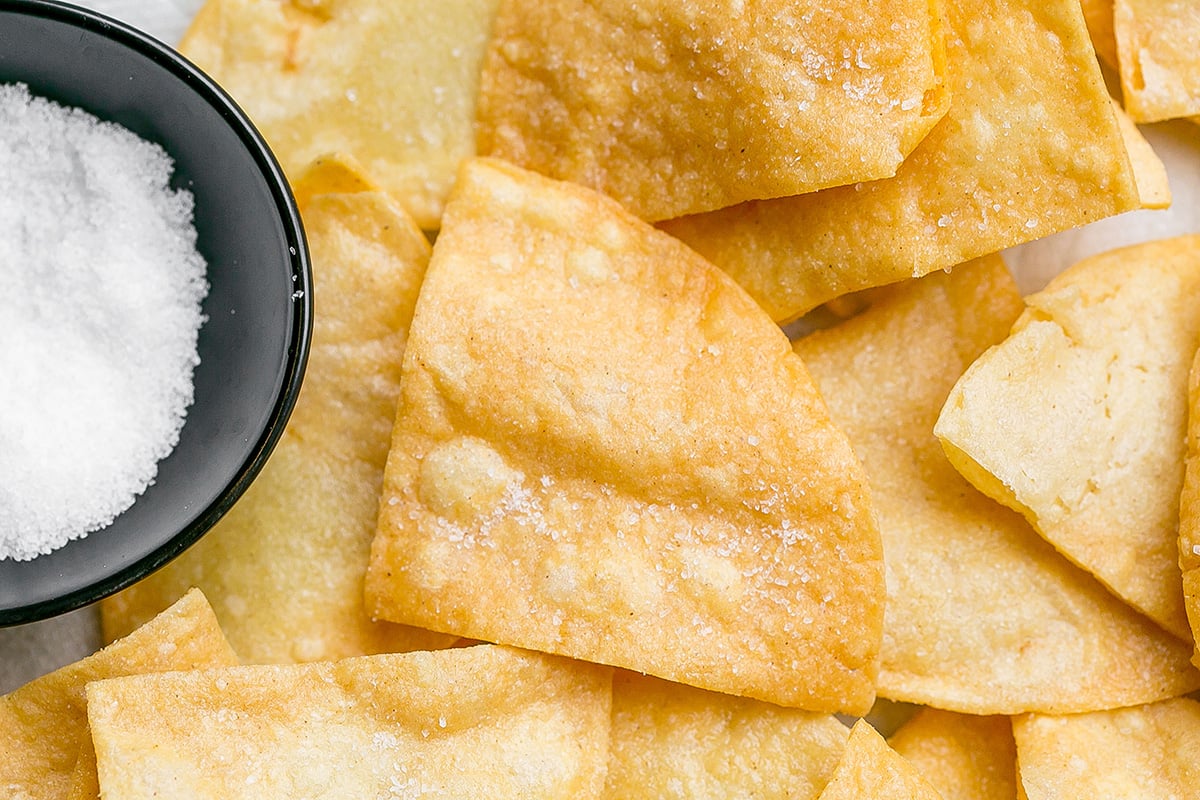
x=295 y=363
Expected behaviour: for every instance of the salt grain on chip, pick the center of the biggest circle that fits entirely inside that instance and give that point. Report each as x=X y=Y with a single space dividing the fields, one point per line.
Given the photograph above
x=604 y=449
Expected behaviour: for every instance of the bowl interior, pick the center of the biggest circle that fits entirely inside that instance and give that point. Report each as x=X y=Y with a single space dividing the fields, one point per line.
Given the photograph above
x=253 y=343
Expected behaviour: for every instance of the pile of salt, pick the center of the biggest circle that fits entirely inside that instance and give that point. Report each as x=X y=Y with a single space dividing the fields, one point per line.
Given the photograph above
x=99 y=320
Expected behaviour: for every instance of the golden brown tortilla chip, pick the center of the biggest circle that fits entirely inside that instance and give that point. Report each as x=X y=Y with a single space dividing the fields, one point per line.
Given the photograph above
x=604 y=449
x=1189 y=508
x=1030 y=147
x=965 y=757
x=982 y=616
x=391 y=83
x=1149 y=172
x=1158 y=48
x=284 y=568
x=673 y=741
x=43 y=725
x=1146 y=752
x=1078 y=419
x=870 y=770
x=676 y=107
x=1099 y=17
x=474 y=722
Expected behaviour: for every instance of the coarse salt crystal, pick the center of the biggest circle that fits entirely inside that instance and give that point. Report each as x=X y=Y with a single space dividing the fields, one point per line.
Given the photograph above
x=99 y=320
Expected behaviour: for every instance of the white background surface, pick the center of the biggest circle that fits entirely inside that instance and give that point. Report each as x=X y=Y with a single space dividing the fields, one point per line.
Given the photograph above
x=28 y=651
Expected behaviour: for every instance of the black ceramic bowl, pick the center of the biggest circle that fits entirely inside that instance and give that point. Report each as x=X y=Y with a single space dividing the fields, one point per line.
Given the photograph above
x=254 y=343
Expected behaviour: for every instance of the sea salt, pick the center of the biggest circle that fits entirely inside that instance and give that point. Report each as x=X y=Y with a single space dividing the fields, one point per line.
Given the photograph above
x=99 y=319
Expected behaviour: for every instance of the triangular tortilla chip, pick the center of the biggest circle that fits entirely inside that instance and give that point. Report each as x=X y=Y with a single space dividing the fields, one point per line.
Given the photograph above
x=1146 y=752
x=676 y=107
x=1078 y=418
x=670 y=740
x=605 y=450
x=391 y=83
x=1030 y=147
x=1099 y=17
x=982 y=616
x=965 y=757
x=473 y=722
x=1189 y=509
x=1149 y=172
x=43 y=725
x=870 y=770
x=284 y=568
x=1158 y=50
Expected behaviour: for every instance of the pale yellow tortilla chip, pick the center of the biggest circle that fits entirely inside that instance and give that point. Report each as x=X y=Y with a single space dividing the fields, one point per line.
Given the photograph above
x=1145 y=752
x=1158 y=49
x=1149 y=172
x=1099 y=17
x=474 y=722
x=1189 y=509
x=673 y=741
x=1078 y=419
x=393 y=84
x=965 y=757
x=284 y=568
x=982 y=616
x=43 y=725
x=604 y=449
x=677 y=107
x=1030 y=147
x=870 y=770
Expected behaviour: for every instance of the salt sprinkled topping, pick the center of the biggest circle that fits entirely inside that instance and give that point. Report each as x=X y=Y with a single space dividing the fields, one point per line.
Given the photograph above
x=99 y=320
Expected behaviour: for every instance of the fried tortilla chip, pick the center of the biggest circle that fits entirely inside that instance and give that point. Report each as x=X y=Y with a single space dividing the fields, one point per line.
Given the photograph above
x=1158 y=49
x=673 y=741
x=1149 y=172
x=474 y=722
x=982 y=615
x=965 y=757
x=604 y=449
x=392 y=84
x=284 y=568
x=1030 y=147
x=43 y=725
x=1078 y=419
x=870 y=770
x=1099 y=17
x=1147 y=752
x=677 y=107
x=1189 y=509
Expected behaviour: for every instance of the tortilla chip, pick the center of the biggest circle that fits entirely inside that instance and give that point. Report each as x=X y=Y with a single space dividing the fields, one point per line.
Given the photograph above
x=605 y=450
x=870 y=770
x=1030 y=147
x=982 y=615
x=284 y=568
x=676 y=107
x=1149 y=751
x=392 y=84
x=1189 y=509
x=1078 y=419
x=1159 y=60
x=44 y=723
x=964 y=757
x=673 y=741
x=1099 y=17
x=1149 y=172
x=472 y=722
